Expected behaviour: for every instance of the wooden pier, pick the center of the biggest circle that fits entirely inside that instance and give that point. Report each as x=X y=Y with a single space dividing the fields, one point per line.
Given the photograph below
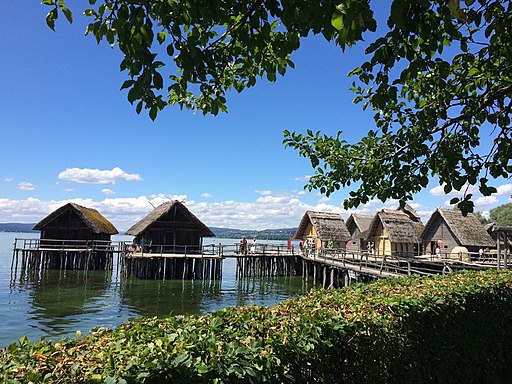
x=42 y=254
x=334 y=268
x=329 y=267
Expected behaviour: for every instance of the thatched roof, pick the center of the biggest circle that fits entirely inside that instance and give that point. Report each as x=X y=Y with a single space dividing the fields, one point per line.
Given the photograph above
x=91 y=218
x=494 y=227
x=328 y=226
x=162 y=210
x=466 y=229
x=361 y=221
x=400 y=226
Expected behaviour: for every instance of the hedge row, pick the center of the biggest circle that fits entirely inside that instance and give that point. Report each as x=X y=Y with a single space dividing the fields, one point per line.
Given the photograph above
x=447 y=329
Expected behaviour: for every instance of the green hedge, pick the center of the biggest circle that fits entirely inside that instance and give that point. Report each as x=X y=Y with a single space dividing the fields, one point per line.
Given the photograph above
x=447 y=329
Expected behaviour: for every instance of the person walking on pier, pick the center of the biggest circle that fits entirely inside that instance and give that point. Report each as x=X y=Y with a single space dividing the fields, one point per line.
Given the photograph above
x=253 y=246
x=142 y=244
x=243 y=246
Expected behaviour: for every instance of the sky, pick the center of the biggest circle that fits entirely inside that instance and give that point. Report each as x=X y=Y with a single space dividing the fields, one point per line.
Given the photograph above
x=68 y=134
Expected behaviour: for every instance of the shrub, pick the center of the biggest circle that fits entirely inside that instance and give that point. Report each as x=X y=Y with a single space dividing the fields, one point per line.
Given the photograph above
x=449 y=329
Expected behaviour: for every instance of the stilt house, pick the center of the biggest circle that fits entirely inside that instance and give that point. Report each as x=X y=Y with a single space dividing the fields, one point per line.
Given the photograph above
x=74 y=222
x=358 y=225
x=448 y=229
x=169 y=228
x=395 y=233
x=322 y=229
x=502 y=236
x=76 y=237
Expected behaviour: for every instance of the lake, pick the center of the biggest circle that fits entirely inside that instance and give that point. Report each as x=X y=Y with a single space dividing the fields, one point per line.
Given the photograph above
x=57 y=304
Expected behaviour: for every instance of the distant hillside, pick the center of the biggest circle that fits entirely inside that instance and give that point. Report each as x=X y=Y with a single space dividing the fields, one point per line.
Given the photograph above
x=225 y=233
x=266 y=234
x=17 y=227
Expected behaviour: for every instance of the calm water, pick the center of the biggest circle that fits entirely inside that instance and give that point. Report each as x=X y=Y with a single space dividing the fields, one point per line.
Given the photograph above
x=58 y=304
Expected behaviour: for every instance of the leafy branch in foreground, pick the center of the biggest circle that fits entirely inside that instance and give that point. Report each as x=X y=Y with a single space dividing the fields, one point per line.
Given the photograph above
x=210 y=47
x=437 y=79
x=438 y=82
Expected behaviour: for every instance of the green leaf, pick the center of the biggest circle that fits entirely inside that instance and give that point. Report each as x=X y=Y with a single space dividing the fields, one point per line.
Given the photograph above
x=67 y=13
x=337 y=20
x=51 y=17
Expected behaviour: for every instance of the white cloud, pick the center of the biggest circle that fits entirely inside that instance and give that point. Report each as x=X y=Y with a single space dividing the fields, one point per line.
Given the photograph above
x=207 y=195
x=485 y=201
x=8 y=179
x=466 y=189
x=324 y=199
x=107 y=191
x=303 y=179
x=97 y=176
x=263 y=192
x=503 y=190
x=26 y=186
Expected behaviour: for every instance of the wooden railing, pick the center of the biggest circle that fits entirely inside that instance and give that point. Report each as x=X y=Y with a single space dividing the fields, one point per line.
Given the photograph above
x=65 y=245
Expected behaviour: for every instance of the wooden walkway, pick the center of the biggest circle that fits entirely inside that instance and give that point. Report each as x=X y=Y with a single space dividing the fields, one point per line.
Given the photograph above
x=335 y=267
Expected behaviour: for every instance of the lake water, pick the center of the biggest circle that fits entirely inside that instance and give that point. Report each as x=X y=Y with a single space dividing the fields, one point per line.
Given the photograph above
x=59 y=303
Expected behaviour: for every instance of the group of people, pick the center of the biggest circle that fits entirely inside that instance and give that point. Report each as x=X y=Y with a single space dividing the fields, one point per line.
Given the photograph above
x=307 y=247
x=243 y=246
x=143 y=246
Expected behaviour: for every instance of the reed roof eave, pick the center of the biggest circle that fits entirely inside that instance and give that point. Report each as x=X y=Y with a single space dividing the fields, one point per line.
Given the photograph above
x=163 y=209
x=90 y=217
x=466 y=229
x=328 y=225
x=399 y=225
x=361 y=221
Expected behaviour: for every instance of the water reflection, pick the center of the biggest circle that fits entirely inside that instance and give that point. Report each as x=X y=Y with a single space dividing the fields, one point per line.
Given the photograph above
x=164 y=297
x=59 y=300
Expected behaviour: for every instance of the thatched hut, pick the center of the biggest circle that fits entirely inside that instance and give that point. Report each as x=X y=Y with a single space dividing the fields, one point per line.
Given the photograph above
x=169 y=228
x=395 y=232
x=74 y=222
x=502 y=236
x=448 y=228
x=322 y=230
x=358 y=225
x=74 y=237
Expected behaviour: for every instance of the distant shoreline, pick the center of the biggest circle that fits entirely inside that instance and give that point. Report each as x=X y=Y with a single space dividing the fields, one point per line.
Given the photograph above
x=223 y=233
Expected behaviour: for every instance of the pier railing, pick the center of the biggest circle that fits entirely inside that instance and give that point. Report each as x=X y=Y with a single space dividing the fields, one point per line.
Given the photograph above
x=208 y=250
x=65 y=245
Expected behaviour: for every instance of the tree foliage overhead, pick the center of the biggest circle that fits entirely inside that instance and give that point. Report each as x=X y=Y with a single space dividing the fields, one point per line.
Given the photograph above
x=437 y=79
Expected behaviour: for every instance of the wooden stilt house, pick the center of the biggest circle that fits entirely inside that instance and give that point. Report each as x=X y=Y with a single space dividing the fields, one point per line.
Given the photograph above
x=395 y=233
x=448 y=228
x=170 y=228
x=502 y=236
x=358 y=225
x=77 y=233
x=322 y=231
x=74 y=222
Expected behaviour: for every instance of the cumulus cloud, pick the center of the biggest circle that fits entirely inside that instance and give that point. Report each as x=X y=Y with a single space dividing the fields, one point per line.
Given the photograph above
x=8 y=179
x=439 y=191
x=26 y=186
x=107 y=191
x=503 y=190
x=265 y=192
x=485 y=201
x=97 y=176
x=207 y=195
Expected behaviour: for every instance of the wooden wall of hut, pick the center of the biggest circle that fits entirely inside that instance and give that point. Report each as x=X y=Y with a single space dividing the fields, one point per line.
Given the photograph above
x=162 y=268
x=69 y=226
x=269 y=266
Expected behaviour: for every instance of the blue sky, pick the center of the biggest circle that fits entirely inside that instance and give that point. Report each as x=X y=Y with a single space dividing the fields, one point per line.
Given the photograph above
x=69 y=134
